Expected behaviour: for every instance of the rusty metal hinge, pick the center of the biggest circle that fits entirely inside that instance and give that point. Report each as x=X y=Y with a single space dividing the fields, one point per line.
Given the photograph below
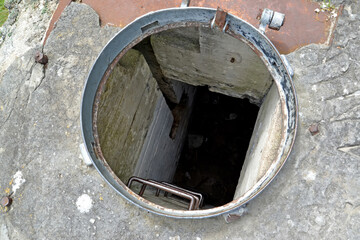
x=185 y=3
x=236 y=214
x=220 y=20
x=270 y=18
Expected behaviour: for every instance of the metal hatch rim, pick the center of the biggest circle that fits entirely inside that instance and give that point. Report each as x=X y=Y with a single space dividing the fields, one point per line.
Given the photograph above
x=184 y=15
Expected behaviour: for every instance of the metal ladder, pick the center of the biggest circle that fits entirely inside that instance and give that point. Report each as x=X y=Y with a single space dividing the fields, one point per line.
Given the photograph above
x=196 y=199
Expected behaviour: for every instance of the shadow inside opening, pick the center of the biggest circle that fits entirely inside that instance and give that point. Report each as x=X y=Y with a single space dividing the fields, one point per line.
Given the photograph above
x=218 y=137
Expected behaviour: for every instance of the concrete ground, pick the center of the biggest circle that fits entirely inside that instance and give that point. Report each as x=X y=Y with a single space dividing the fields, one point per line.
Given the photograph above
x=56 y=196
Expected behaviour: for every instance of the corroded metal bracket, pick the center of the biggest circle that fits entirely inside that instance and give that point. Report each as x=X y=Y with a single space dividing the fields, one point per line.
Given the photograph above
x=220 y=20
x=185 y=3
x=235 y=215
x=270 y=18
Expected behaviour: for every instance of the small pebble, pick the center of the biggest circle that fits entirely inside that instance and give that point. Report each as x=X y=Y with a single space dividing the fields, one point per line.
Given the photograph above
x=314 y=129
x=6 y=201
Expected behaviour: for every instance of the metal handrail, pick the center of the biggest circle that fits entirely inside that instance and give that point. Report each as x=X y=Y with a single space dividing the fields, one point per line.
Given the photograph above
x=176 y=188
x=164 y=188
x=199 y=195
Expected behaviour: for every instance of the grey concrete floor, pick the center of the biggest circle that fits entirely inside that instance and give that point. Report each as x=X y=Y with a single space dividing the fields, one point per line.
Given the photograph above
x=56 y=196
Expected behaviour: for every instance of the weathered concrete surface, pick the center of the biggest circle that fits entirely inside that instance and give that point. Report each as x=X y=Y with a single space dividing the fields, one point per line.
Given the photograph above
x=315 y=196
x=161 y=153
x=264 y=144
x=167 y=86
x=126 y=109
x=24 y=29
x=134 y=122
x=203 y=56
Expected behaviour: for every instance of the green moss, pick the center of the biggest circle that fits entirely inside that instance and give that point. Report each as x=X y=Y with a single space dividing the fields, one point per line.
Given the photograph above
x=130 y=59
x=3 y=13
x=126 y=109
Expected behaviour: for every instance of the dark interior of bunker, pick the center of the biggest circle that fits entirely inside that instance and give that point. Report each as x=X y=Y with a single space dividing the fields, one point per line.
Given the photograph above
x=181 y=108
x=218 y=136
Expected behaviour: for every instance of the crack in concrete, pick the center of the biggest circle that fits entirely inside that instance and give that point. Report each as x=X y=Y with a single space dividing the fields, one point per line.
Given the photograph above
x=348 y=149
x=345 y=119
x=7 y=118
x=352 y=94
x=41 y=80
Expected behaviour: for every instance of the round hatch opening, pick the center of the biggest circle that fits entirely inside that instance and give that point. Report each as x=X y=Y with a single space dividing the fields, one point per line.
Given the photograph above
x=187 y=117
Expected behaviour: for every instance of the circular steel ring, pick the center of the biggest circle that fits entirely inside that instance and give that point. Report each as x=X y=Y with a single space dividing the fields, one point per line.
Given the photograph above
x=162 y=20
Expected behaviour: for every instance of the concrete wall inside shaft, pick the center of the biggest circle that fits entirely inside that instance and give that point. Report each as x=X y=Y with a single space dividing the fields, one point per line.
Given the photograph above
x=134 y=119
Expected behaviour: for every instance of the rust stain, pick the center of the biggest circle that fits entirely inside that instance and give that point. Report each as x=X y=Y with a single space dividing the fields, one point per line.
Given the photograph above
x=220 y=18
x=122 y=12
x=302 y=25
x=60 y=8
x=339 y=13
